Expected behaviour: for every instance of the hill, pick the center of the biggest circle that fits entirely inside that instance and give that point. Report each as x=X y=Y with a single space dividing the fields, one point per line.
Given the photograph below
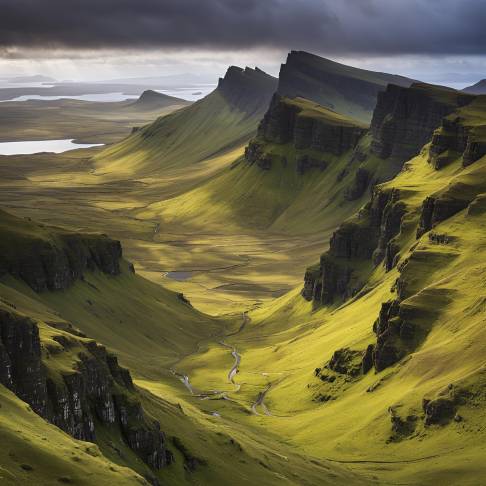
x=387 y=329
x=344 y=89
x=223 y=120
x=477 y=88
x=152 y=100
x=59 y=291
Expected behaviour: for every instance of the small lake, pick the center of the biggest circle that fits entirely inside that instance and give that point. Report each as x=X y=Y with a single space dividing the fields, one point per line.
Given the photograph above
x=179 y=276
x=34 y=147
x=99 y=97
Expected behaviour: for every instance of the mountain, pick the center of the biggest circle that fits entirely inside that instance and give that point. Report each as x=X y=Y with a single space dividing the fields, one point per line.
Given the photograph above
x=477 y=88
x=223 y=120
x=90 y=374
x=345 y=89
x=37 y=78
x=393 y=335
x=152 y=100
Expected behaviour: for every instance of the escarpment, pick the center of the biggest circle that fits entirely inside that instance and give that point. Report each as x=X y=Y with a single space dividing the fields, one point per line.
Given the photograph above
x=457 y=138
x=247 y=89
x=94 y=394
x=53 y=259
x=405 y=118
x=310 y=130
x=344 y=89
x=367 y=239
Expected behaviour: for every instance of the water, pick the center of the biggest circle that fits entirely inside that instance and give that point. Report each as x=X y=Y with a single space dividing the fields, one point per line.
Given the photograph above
x=179 y=276
x=191 y=93
x=99 y=97
x=34 y=147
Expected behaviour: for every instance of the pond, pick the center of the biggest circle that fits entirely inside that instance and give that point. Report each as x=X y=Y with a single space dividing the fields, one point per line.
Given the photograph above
x=36 y=146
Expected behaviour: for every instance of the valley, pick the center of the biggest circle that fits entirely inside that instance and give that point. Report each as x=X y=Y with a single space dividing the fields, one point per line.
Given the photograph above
x=277 y=283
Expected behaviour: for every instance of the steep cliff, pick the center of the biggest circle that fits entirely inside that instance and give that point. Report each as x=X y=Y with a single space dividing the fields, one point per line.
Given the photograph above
x=247 y=89
x=53 y=259
x=344 y=89
x=354 y=248
x=311 y=130
x=405 y=118
x=91 y=393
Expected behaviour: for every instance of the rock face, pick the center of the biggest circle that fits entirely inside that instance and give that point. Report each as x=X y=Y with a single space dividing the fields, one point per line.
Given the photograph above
x=298 y=122
x=98 y=392
x=455 y=139
x=368 y=238
x=248 y=90
x=405 y=118
x=315 y=78
x=54 y=259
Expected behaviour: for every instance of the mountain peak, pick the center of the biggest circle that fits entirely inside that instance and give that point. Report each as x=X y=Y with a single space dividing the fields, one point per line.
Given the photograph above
x=247 y=89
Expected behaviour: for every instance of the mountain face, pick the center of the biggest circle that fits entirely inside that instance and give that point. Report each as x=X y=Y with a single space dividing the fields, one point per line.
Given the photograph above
x=152 y=100
x=248 y=90
x=409 y=229
x=405 y=118
x=344 y=89
x=222 y=121
x=305 y=126
x=476 y=89
x=96 y=392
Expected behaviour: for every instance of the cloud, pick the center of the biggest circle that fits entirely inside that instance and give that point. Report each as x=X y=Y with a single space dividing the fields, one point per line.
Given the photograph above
x=343 y=27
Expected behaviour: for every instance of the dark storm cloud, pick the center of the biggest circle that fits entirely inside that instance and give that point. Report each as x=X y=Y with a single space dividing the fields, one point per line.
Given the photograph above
x=331 y=26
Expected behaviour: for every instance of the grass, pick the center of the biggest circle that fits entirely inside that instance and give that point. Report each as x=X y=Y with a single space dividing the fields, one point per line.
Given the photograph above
x=247 y=235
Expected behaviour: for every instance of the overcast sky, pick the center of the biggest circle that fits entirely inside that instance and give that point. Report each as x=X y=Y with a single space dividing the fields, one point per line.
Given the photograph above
x=434 y=40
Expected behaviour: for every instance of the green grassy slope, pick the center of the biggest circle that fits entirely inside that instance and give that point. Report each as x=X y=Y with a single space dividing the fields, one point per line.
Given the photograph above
x=223 y=120
x=375 y=422
x=151 y=330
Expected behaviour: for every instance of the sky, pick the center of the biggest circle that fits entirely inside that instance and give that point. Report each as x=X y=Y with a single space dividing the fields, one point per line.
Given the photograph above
x=441 y=41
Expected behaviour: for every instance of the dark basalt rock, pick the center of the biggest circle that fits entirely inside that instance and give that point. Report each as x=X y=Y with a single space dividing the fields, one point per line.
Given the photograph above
x=452 y=140
x=405 y=118
x=401 y=427
x=56 y=265
x=97 y=392
x=361 y=182
x=284 y=123
x=448 y=142
x=367 y=238
x=248 y=90
x=329 y=280
x=475 y=150
x=439 y=411
x=438 y=209
x=367 y=361
x=345 y=361
x=390 y=329
x=304 y=163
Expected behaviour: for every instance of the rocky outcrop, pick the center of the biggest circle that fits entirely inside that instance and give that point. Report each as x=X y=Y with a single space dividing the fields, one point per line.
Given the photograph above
x=325 y=82
x=367 y=238
x=405 y=118
x=438 y=209
x=362 y=179
x=346 y=362
x=455 y=139
x=51 y=259
x=97 y=393
x=248 y=90
x=300 y=122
